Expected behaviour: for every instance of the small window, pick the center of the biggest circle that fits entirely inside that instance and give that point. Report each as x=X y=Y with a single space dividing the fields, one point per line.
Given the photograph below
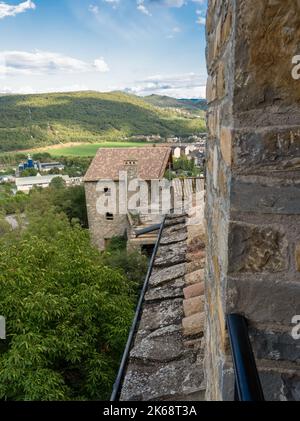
x=107 y=191
x=109 y=216
x=131 y=162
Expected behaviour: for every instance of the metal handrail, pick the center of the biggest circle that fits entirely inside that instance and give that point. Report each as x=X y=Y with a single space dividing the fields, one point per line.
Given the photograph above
x=147 y=230
x=120 y=376
x=247 y=382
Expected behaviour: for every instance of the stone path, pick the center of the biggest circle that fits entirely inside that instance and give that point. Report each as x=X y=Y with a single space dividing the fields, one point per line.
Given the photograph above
x=166 y=361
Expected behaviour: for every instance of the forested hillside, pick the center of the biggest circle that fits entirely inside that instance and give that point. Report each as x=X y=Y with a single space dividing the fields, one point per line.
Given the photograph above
x=30 y=121
x=194 y=105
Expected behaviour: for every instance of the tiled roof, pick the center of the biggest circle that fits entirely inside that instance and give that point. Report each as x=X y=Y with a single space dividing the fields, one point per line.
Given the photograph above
x=151 y=162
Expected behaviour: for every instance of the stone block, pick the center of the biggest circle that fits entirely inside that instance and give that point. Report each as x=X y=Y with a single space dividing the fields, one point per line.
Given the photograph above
x=161 y=276
x=172 y=289
x=280 y=386
x=162 y=345
x=265 y=195
x=264 y=300
x=168 y=381
x=267 y=149
x=272 y=344
x=158 y=315
x=194 y=290
x=196 y=256
x=195 y=277
x=174 y=235
x=169 y=255
x=193 y=325
x=194 y=265
x=193 y=305
x=226 y=144
x=257 y=248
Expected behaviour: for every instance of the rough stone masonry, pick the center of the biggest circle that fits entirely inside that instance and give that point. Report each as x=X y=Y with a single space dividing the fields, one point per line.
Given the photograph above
x=253 y=190
x=166 y=361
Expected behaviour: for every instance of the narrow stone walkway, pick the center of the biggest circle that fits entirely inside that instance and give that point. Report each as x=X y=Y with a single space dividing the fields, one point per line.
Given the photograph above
x=166 y=361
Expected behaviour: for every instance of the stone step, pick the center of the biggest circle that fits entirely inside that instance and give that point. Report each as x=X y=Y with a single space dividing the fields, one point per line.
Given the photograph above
x=193 y=305
x=195 y=290
x=193 y=325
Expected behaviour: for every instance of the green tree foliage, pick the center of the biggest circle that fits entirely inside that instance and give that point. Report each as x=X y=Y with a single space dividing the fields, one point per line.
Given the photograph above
x=37 y=120
x=185 y=167
x=70 y=200
x=29 y=172
x=132 y=263
x=57 y=183
x=10 y=203
x=4 y=225
x=67 y=313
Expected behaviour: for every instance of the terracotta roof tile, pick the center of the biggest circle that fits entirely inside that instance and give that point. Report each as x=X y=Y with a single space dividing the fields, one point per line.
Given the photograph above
x=151 y=162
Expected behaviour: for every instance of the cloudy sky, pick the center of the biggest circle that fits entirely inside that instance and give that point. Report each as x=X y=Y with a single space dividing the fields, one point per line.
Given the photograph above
x=141 y=46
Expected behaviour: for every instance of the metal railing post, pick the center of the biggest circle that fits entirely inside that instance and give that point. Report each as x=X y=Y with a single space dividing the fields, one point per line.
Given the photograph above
x=247 y=382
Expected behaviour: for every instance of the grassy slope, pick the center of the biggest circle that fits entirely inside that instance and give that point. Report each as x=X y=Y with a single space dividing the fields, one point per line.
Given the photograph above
x=31 y=121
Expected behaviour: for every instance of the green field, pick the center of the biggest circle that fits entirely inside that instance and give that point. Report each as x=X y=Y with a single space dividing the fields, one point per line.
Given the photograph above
x=90 y=149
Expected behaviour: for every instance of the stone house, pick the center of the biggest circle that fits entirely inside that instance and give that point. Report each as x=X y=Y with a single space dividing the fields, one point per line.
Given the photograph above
x=145 y=163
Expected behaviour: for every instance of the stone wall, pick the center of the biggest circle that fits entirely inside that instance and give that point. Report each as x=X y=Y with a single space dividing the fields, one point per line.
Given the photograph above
x=102 y=229
x=253 y=189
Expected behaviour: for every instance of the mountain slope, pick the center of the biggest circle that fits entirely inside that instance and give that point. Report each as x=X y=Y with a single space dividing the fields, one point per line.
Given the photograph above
x=28 y=121
x=196 y=105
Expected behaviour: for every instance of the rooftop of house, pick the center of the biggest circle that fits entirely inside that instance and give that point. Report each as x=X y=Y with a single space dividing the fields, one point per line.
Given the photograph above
x=151 y=162
x=39 y=179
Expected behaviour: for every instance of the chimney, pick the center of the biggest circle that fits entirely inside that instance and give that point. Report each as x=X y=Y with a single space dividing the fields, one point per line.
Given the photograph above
x=131 y=167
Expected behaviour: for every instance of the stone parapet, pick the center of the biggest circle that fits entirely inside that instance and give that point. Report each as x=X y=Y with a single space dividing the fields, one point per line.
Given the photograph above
x=166 y=361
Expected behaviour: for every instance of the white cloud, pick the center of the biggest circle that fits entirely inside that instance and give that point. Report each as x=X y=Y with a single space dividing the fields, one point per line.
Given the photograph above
x=142 y=8
x=174 y=3
x=201 y=20
x=42 y=62
x=24 y=90
x=94 y=9
x=13 y=10
x=189 y=85
x=113 y=2
x=101 y=65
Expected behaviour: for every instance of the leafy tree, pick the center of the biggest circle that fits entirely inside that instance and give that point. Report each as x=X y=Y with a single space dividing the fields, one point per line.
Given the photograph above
x=29 y=172
x=54 y=171
x=133 y=264
x=4 y=226
x=186 y=167
x=58 y=183
x=116 y=244
x=67 y=313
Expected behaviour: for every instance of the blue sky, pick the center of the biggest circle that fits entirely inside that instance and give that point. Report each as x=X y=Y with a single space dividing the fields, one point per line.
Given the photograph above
x=141 y=46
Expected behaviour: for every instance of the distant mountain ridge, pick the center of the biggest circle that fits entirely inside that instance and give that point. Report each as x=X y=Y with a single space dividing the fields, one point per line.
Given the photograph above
x=29 y=121
x=184 y=103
